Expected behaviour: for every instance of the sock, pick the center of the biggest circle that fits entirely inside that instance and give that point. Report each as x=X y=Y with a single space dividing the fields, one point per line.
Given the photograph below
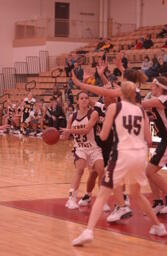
x=72 y=193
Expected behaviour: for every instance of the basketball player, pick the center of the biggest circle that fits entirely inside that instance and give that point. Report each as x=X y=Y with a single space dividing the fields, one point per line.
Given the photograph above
x=131 y=135
x=97 y=122
x=157 y=104
x=28 y=105
x=86 y=152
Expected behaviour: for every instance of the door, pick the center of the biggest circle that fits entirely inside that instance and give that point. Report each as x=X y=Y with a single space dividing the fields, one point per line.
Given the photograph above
x=62 y=19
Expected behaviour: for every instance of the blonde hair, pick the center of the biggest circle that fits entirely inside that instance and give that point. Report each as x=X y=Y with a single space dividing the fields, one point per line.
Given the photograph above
x=129 y=91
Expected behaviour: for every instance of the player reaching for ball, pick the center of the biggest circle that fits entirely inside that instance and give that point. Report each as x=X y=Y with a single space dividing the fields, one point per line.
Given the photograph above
x=86 y=152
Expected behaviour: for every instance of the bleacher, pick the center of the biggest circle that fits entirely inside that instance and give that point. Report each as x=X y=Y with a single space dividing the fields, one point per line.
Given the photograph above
x=44 y=84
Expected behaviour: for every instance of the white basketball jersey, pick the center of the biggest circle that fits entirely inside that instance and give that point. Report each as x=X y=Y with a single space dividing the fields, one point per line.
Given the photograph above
x=86 y=141
x=129 y=126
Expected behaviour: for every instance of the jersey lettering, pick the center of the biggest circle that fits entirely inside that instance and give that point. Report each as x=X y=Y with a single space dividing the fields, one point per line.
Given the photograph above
x=132 y=124
x=80 y=138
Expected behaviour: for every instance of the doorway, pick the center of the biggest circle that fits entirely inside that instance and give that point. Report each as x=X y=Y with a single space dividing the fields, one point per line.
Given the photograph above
x=62 y=19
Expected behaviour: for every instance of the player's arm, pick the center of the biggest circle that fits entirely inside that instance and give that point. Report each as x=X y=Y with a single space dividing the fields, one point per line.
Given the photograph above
x=108 y=122
x=152 y=103
x=96 y=89
x=65 y=132
x=100 y=71
x=147 y=133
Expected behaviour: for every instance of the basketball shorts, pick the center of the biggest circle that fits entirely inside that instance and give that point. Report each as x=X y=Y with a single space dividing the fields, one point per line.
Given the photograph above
x=126 y=167
x=89 y=155
x=159 y=157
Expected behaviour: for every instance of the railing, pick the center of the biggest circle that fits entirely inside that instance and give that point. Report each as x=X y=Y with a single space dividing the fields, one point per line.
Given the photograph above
x=30 y=85
x=33 y=66
x=78 y=29
x=56 y=72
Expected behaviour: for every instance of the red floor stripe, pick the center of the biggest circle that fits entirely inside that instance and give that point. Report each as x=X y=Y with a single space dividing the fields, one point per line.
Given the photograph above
x=138 y=225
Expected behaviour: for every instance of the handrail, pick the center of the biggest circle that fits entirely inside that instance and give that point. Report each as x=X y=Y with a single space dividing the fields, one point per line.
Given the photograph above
x=30 y=88
x=58 y=72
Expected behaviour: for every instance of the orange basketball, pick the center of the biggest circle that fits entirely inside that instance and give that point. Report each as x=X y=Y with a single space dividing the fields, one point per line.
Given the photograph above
x=51 y=136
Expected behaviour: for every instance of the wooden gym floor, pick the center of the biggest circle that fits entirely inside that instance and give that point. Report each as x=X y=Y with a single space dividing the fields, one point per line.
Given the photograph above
x=34 y=183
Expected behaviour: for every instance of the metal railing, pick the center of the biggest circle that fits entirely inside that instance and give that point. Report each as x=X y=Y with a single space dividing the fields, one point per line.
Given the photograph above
x=33 y=66
x=78 y=29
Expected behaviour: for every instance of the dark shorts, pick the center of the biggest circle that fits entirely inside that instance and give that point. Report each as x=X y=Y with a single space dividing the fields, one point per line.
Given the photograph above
x=159 y=157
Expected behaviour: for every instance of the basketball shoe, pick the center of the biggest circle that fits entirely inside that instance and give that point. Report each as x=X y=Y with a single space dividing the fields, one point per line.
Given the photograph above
x=159 y=230
x=71 y=203
x=85 y=200
x=158 y=205
x=119 y=213
x=85 y=237
x=164 y=209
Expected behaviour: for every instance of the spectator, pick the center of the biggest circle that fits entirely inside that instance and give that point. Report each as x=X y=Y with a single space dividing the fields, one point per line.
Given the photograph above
x=164 y=55
x=69 y=65
x=124 y=61
x=100 y=44
x=163 y=32
x=69 y=111
x=153 y=71
x=146 y=64
x=139 y=43
x=69 y=95
x=107 y=46
x=28 y=106
x=163 y=67
x=78 y=70
x=165 y=44
x=148 y=43
x=54 y=115
x=117 y=72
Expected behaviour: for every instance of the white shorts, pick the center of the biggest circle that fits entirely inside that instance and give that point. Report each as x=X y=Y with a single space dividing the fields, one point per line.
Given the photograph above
x=129 y=168
x=89 y=155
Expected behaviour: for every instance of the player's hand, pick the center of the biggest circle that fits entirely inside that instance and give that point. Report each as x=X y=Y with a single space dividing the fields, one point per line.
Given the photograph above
x=65 y=133
x=100 y=69
x=86 y=75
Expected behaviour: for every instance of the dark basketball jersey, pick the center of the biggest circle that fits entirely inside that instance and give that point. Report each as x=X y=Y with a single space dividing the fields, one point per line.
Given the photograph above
x=107 y=144
x=160 y=118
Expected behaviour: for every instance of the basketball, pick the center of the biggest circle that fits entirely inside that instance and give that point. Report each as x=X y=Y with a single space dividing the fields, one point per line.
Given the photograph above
x=50 y=136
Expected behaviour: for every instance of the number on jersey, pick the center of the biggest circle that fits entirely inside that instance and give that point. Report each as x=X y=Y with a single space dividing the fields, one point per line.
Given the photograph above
x=132 y=124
